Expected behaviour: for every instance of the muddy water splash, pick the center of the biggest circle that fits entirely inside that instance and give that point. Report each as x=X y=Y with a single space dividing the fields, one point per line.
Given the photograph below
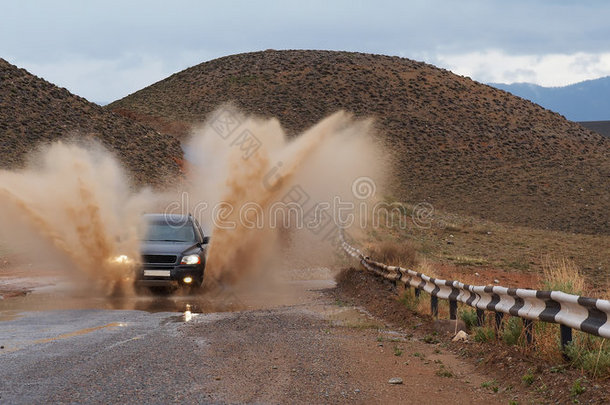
x=245 y=172
x=72 y=204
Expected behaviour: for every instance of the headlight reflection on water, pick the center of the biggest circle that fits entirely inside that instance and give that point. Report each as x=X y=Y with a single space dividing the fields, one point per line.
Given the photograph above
x=188 y=315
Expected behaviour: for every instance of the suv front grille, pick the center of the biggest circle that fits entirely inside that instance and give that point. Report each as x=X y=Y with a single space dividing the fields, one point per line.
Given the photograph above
x=164 y=259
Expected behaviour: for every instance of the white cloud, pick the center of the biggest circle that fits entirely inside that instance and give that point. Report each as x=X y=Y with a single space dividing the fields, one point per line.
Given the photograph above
x=106 y=80
x=546 y=70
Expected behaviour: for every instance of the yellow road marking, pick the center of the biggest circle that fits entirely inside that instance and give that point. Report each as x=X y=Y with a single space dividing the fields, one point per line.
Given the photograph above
x=80 y=332
x=77 y=333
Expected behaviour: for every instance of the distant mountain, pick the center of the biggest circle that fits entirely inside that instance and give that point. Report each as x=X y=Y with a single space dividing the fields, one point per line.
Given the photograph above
x=584 y=101
x=463 y=146
x=601 y=127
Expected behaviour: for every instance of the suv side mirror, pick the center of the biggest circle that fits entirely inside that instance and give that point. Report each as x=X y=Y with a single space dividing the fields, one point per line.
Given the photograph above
x=206 y=240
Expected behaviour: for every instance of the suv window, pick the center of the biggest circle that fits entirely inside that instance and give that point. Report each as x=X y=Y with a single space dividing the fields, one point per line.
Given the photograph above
x=165 y=232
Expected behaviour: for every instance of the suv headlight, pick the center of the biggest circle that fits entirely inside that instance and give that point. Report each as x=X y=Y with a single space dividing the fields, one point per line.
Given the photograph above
x=121 y=259
x=191 y=259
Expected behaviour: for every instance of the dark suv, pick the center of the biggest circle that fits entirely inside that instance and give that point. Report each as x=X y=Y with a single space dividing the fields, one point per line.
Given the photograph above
x=173 y=252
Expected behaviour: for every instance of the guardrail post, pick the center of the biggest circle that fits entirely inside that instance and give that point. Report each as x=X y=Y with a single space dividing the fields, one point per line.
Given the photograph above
x=417 y=292
x=528 y=327
x=566 y=337
x=499 y=316
x=434 y=306
x=452 y=309
x=480 y=317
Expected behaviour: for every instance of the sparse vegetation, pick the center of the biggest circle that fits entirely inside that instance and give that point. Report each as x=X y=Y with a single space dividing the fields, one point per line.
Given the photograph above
x=512 y=331
x=560 y=274
x=442 y=371
x=521 y=264
x=483 y=334
x=409 y=300
x=394 y=253
x=577 y=388
x=492 y=385
x=397 y=351
x=528 y=378
x=242 y=79
x=469 y=261
x=341 y=303
x=591 y=354
x=431 y=339
x=469 y=316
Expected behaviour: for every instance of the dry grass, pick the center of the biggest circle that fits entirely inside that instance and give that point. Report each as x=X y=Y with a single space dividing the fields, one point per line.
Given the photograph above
x=561 y=274
x=587 y=352
x=591 y=354
x=426 y=267
x=509 y=248
x=421 y=303
x=394 y=253
x=468 y=261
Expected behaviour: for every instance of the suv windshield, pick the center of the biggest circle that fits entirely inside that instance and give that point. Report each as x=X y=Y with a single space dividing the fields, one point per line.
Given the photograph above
x=165 y=232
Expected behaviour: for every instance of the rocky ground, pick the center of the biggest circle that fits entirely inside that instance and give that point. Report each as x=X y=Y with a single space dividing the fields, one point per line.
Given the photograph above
x=504 y=367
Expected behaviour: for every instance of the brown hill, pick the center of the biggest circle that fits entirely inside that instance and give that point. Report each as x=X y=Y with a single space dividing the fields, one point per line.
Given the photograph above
x=34 y=112
x=463 y=146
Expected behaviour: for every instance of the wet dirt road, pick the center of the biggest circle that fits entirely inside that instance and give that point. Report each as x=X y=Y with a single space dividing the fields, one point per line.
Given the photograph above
x=299 y=347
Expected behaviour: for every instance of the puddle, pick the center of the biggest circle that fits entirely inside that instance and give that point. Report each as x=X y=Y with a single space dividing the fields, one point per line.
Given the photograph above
x=228 y=300
x=47 y=301
x=9 y=315
x=354 y=318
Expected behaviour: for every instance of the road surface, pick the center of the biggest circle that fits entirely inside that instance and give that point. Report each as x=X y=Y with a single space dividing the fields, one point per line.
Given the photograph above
x=294 y=344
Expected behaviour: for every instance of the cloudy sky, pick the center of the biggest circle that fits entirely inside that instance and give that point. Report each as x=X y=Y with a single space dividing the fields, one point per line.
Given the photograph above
x=104 y=50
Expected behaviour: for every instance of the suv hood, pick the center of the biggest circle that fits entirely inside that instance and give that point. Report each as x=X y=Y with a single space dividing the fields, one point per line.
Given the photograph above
x=168 y=248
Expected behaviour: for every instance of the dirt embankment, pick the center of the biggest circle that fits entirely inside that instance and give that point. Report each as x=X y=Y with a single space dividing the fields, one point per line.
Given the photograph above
x=504 y=367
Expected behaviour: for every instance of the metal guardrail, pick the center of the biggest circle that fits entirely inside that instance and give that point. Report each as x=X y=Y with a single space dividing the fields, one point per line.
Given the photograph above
x=589 y=315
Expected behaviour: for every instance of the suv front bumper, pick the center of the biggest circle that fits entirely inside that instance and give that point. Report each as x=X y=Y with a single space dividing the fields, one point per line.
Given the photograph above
x=167 y=276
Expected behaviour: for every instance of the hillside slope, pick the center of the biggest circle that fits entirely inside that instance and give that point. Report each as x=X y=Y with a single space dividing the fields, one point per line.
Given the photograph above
x=460 y=145
x=34 y=112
